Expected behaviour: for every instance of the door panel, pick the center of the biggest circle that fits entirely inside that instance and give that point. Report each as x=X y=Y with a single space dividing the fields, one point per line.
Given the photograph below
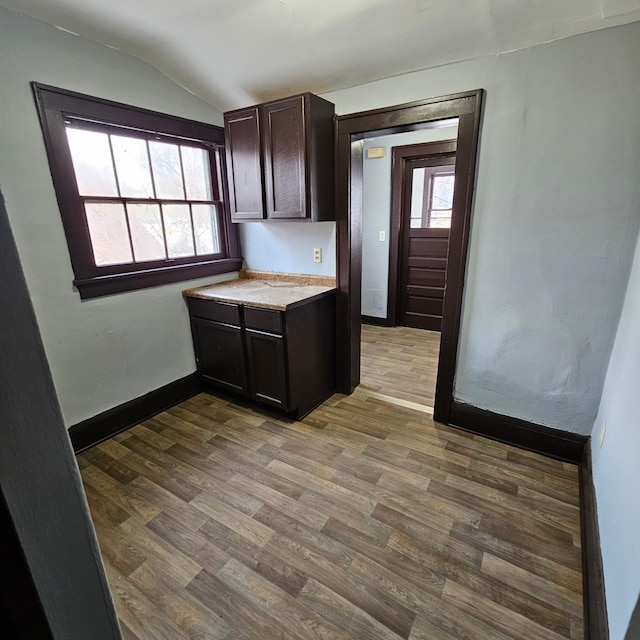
x=425 y=292
x=426 y=216
x=425 y=278
x=424 y=305
x=427 y=263
x=428 y=243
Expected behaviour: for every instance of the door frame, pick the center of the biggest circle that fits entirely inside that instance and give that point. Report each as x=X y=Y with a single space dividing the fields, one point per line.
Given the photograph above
x=350 y=131
x=399 y=157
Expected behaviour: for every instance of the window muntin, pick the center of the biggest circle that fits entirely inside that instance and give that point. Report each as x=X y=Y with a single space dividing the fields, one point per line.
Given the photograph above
x=173 y=177
x=432 y=197
x=141 y=194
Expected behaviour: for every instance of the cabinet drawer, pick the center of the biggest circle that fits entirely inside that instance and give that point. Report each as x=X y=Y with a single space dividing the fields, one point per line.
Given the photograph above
x=218 y=311
x=263 y=319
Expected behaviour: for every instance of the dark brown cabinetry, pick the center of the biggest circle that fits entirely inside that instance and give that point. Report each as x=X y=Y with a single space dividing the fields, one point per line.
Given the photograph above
x=244 y=166
x=219 y=344
x=280 y=160
x=284 y=359
x=220 y=352
x=266 y=357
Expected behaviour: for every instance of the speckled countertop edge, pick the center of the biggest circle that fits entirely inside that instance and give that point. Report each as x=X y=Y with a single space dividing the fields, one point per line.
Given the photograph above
x=253 y=289
x=301 y=278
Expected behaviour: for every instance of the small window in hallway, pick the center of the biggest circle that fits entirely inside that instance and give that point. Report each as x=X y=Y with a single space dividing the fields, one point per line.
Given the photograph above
x=432 y=197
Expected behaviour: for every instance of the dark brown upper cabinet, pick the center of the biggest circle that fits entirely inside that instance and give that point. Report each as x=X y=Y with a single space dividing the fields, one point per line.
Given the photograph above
x=280 y=161
x=244 y=167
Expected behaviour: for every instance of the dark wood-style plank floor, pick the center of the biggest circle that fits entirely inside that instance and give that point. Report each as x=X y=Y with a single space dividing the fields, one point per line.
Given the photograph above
x=401 y=362
x=365 y=521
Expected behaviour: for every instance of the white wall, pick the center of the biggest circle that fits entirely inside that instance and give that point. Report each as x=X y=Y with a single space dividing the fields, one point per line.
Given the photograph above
x=376 y=213
x=557 y=208
x=616 y=466
x=556 y=212
x=288 y=247
x=105 y=351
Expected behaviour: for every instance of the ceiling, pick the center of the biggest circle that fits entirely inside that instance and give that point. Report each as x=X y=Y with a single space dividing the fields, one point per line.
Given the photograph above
x=237 y=52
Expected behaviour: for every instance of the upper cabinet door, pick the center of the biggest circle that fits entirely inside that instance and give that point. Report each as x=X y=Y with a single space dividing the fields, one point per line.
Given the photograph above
x=244 y=171
x=284 y=148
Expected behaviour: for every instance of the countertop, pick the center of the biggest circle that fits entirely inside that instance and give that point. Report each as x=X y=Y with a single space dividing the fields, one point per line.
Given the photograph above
x=268 y=290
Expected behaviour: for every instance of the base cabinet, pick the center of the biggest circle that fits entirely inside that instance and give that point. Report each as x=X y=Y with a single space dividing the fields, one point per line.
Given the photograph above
x=220 y=354
x=267 y=370
x=283 y=359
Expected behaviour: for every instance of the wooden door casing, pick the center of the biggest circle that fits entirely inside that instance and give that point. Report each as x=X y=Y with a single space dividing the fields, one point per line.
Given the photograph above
x=351 y=128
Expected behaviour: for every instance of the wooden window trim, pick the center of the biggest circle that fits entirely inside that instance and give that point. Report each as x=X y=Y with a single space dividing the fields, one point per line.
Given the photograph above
x=54 y=105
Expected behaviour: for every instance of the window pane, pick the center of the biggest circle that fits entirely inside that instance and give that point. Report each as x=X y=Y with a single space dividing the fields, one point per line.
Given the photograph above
x=417 y=193
x=92 y=162
x=146 y=232
x=440 y=219
x=108 y=231
x=442 y=192
x=197 y=176
x=167 y=174
x=205 y=227
x=177 y=227
x=132 y=167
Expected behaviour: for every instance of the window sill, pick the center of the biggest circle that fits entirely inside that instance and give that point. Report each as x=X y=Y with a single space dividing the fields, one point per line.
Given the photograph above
x=121 y=282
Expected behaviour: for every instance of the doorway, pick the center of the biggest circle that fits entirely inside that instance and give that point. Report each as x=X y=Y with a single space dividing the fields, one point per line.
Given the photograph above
x=351 y=130
x=402 y=291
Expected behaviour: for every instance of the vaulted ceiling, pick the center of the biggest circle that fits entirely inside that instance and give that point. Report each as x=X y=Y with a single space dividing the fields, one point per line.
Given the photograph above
x=236 y=52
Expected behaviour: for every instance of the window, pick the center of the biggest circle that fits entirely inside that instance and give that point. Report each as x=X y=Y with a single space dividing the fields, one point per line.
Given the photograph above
x=140 y=193
x=432 y=197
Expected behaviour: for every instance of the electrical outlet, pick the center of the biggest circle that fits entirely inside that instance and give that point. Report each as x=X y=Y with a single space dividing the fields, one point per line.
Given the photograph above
x=382 y=236
x=317 y=255
x=603 y=431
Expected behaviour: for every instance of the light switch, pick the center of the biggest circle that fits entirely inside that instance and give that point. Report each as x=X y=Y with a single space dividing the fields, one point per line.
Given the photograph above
x=382 y=236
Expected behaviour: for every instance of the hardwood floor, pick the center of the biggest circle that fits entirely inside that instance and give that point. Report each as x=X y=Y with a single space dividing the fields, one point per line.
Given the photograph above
x=401 y=362
x=364 y=521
